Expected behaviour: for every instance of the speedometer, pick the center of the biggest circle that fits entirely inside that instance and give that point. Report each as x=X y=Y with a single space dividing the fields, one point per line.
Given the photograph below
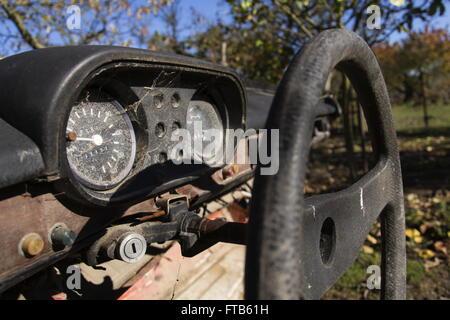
x=101 y=143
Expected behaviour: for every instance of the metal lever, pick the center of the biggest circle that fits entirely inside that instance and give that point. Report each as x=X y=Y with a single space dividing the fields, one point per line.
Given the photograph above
x=128 y=241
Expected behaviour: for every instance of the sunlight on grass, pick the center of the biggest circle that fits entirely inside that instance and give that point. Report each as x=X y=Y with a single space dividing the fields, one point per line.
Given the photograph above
x=410 y=118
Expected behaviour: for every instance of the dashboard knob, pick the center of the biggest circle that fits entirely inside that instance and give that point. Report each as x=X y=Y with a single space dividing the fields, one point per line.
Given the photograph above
x=62 y=236
x=32 y=245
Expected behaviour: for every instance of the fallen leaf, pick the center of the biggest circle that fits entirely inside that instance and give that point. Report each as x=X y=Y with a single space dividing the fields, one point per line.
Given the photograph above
x=424 y=227
x=439 y=246
x=436 y=200
x=418 y=239
x=431 y=264
x=371 y=239
x=411 y=233
x=367 y=249
x=414 y=235
x=426 y=254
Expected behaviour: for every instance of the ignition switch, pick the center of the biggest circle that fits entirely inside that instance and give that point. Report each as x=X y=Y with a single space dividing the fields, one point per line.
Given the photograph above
x=131 y=248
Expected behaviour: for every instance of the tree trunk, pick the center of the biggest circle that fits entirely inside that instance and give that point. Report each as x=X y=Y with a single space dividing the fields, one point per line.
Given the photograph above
x=329 y=82
x=224 y=54
x=424 y=99
x=348 y=130
x=363 y=142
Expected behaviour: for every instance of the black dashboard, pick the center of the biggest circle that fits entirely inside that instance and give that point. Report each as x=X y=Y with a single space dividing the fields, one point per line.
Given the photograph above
x=104 y=117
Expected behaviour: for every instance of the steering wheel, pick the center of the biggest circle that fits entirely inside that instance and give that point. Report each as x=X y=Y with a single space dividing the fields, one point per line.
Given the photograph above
x=298 y=248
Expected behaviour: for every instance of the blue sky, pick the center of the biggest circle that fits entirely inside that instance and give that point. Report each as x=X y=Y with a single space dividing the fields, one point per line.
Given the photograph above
x=218 y=9
x=211 y=9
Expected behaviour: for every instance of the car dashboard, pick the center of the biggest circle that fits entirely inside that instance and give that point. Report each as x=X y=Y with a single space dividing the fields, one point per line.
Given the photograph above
x=88 y=139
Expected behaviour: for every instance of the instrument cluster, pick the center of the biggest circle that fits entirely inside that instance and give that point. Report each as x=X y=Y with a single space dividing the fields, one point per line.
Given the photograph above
x=120 y=139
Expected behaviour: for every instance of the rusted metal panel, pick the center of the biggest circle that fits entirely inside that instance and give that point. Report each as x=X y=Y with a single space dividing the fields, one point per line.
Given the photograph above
x=36 y=209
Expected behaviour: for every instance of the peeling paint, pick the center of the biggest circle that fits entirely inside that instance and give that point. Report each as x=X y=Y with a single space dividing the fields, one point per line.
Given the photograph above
x=361 y=201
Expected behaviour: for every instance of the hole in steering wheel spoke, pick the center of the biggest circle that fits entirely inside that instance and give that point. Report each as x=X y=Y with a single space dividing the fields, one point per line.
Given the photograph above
x=327 y=241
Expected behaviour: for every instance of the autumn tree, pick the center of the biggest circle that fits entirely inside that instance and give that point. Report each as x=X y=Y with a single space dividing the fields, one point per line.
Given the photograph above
x=417 y=67
x=265 y=34
x=169 y=39
x=426 y=54
x=281 y=27
x=400 y=84
x=33 y=24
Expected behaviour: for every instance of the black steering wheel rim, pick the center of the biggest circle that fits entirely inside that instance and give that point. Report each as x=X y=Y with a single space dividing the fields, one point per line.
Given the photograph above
x=284 y=256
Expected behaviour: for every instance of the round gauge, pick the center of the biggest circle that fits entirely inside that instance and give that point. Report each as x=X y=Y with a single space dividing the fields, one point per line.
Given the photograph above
x=202 y=117
x=101 y=143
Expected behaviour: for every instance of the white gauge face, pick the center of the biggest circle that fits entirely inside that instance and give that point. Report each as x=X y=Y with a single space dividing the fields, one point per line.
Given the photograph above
x=202 y=117
x=101 y=143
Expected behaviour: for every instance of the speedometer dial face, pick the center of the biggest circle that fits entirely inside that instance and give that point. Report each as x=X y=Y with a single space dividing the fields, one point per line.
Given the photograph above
x=101 y=143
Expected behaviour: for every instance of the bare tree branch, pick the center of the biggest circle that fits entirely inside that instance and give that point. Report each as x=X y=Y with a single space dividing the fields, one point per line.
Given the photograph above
x=17 y=19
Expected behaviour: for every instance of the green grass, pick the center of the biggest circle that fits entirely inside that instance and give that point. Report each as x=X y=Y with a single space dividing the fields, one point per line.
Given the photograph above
x=415 y=272
x=353 y=283
x=409 y=118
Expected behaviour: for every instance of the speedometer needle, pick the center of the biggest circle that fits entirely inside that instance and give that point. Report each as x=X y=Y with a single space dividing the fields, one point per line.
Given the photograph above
x=96 y=139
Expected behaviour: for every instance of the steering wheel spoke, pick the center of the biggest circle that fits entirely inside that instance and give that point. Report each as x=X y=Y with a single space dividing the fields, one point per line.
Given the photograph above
x=336 y=226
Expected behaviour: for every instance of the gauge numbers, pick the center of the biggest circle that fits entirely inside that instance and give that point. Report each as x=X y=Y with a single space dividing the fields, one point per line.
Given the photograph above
x=100 y=143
